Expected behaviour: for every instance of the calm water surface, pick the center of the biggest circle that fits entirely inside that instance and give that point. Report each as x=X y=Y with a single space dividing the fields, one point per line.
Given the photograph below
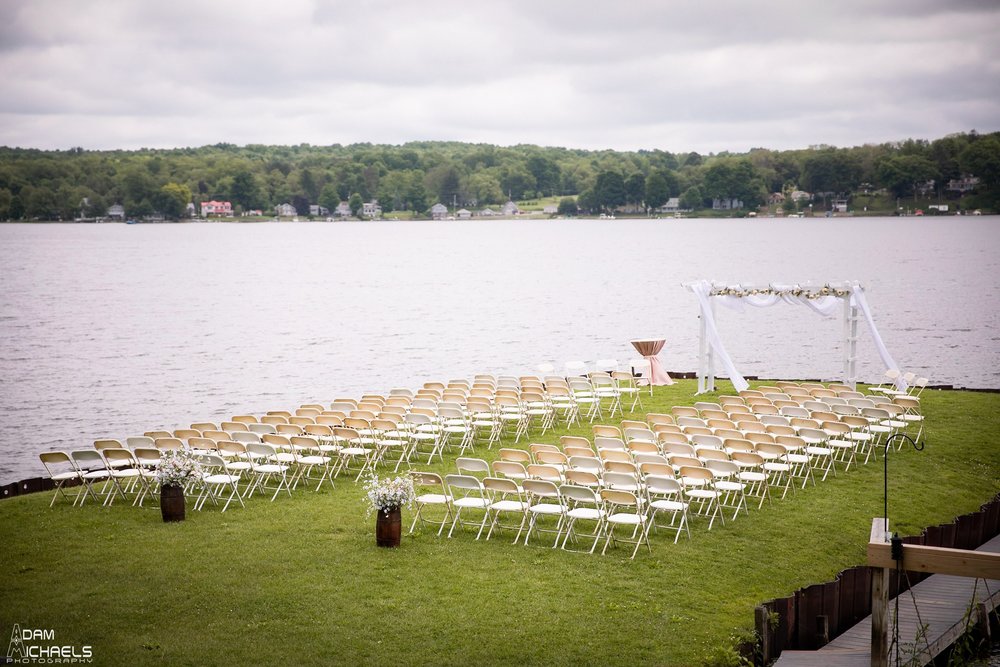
x=112 y=330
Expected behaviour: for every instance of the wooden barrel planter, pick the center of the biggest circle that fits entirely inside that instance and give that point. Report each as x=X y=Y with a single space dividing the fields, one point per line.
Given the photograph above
x=388 y=528
x=172 y=502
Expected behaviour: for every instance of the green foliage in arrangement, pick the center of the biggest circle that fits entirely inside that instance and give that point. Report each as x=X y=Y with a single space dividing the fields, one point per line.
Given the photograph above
x=63 y=185
x=300 y=580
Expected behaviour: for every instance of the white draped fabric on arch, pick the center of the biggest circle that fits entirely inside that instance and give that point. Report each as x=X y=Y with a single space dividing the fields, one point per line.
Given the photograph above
x=848 y=297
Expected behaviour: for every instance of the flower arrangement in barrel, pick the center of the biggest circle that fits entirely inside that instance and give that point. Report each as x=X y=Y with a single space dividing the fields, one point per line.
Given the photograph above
x=385 y=494
x=178 y=467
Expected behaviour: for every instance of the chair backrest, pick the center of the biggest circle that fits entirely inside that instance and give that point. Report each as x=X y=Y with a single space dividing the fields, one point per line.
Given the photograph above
x=244 y=419
x=609 y=443
x=543 y=471
x=165 y=444
x=469 y=465
x=233 y=427
x=541 y=488
x=421 y=478
x=468 y=484
x=274 y=419
x=59 y=461
x=511 y=469
x=204 y=426
x=663 y=485
x=185 y=433
x=614 y=455
x=318 y=430
x=278 y=441
x=757 y=438
x=551 y=457
x=732 y=445
x=707 y=454
x=590 y=463
x=501 y=486
x=261 y=450
x=722 y=468
x=747 y=459
x=579 y=494
x=620 y=498
x=578 y=451
x=261 y=429
x=286 y=430
x=574 y=441
x=678 y=449
x=517 y=455
x=535 y=448
x=303 y=443
x=662 y=469
x=621 y=466
x=245 y=437
x=670 y=438
x=88 y=459
x=695 y=473
x=148 y=457
x=101 y=445
x=232 y=448
x=583 y=478
x=622 y=480
x=137 y=441
x=201 y=443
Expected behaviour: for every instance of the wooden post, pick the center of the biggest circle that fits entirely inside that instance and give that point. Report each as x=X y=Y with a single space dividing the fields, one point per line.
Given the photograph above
x=880 y=600
x=762 y=621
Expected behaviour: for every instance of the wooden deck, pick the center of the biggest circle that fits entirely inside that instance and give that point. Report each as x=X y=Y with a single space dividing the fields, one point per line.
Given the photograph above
x=942 y=602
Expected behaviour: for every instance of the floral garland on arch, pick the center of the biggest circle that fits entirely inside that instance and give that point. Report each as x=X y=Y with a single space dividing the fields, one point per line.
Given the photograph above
x=796 y=291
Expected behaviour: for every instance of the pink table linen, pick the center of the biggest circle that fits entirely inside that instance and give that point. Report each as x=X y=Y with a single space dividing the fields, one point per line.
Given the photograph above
x=649 y=349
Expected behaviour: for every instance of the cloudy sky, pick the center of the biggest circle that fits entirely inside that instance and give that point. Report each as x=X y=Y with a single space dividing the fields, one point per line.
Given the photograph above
x=707 y=76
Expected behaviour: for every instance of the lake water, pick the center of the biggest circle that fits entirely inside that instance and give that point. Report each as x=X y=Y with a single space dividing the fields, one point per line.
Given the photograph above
x=112 y=330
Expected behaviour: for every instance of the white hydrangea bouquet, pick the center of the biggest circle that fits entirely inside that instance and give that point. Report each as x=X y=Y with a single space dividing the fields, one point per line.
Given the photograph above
x=178 y=467
x=385 y=495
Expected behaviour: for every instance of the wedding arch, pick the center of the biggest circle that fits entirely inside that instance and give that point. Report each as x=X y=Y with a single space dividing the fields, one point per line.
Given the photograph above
x=849 y=297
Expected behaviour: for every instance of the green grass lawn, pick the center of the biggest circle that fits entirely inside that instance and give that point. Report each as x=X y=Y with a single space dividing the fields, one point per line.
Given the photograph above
x=301 y=581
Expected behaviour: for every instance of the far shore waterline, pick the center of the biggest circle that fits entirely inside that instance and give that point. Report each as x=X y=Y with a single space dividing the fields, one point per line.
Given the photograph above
x=524 y=218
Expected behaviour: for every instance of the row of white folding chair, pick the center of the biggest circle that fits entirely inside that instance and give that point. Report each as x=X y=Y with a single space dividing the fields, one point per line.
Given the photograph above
x=535 y=504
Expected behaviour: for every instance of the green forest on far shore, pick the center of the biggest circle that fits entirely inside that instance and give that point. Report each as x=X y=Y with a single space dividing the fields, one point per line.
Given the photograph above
x=961 y=171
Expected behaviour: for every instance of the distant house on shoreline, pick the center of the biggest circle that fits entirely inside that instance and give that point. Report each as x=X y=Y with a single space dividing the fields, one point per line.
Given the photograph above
x=343 y=210
x=965 y=184
x=510 y=208
x=672 y=206
x=727 y=204
x=464 y=214
x=218 y=208
x=487 y=213
x=439 y=211
x=371 y=209
x=285 y=210
x=116 y=212
x=316 y=209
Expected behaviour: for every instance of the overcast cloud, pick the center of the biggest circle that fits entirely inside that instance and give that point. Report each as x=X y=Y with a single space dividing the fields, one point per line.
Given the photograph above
x=635 y=74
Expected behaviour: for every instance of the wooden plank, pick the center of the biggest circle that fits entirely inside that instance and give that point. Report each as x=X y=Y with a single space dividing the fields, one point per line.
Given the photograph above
x=879 y=645
x=938 y=560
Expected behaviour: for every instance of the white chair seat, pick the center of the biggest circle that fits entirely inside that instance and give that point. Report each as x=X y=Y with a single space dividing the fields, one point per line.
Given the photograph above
x=470 y=502
x=668 y=505
x=269 y=468
x=547 y=508
x=432 y=499
x=222 y=479
x=626 y=518
x=509 y=506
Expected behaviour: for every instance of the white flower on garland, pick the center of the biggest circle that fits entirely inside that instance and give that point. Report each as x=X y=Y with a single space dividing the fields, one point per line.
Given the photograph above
x=178 y=467
x=385 y=495
x=796 y=291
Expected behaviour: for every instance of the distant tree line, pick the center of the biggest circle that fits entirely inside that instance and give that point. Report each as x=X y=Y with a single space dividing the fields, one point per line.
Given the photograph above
x=36 y=184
